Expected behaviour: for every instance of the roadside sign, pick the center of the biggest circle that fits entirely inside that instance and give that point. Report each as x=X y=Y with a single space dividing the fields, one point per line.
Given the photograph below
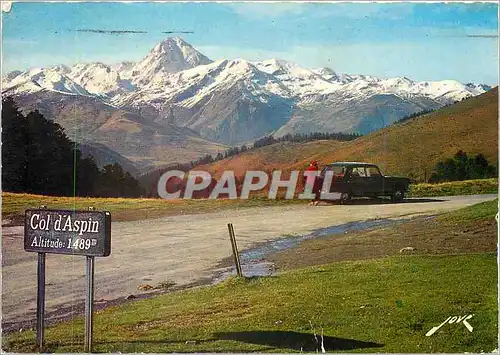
x=86 y=233
x=67 y=232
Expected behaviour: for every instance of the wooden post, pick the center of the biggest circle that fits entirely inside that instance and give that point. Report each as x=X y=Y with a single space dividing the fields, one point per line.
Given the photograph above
x=40 y=302
x=235 y=250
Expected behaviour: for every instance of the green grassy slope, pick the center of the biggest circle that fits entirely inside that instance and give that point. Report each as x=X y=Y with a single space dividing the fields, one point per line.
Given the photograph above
x=384 y=305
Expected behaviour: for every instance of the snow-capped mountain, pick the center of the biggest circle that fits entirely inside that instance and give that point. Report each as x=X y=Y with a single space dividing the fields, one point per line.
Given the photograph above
x=38 y=79
x=124 y=68
x=170 y=56
x=236 y=101
x=99 y=79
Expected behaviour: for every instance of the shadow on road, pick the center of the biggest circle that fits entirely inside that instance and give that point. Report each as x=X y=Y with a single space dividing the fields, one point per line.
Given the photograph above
x=295 y=340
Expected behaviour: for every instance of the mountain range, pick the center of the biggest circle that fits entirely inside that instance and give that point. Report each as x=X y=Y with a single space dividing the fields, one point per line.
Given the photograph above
x=411 y=148
x=177 y=104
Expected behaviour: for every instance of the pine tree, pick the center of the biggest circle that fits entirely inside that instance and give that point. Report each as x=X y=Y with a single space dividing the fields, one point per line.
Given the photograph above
x=14 y=141
x=38 y=157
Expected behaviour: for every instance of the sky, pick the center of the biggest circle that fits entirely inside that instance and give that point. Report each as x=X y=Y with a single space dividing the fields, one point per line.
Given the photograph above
x=426 y=41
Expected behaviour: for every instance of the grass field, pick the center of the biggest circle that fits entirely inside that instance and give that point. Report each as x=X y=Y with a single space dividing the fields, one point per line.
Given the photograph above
x=471 y=214
x=469 y=187
x=379 y=305
x=126 y=209
x=468 y=230
x=384 y=305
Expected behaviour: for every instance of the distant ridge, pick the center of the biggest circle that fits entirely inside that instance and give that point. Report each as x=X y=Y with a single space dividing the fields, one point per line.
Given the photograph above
x=176 y=104
x=410 y=149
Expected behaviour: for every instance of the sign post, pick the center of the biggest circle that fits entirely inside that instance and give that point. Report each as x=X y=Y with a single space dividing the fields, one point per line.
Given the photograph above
x=89 y=305
x=40 y=301
x=86 y=233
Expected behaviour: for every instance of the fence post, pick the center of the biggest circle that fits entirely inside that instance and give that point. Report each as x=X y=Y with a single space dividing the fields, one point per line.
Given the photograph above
x=235 y=250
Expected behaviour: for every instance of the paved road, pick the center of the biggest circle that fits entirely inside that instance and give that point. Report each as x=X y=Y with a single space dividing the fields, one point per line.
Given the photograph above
x=181 y=249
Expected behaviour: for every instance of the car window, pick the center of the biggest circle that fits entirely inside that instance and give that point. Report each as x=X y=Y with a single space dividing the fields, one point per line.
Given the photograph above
x=358 y=172
x=372 y=171
x=338 y=170
x=335 y=169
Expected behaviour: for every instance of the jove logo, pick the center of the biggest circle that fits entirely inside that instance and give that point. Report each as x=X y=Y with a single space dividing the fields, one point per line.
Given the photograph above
x=451 y=320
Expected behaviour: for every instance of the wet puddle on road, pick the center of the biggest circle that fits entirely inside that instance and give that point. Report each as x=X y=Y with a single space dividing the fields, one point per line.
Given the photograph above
x=253 y=261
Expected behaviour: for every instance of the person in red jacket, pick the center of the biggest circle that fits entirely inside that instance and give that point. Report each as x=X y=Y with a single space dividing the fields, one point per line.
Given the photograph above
x=313 y=166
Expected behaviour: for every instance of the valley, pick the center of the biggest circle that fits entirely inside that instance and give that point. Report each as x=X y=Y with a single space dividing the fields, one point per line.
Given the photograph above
x=411 y=148
x=176 y=104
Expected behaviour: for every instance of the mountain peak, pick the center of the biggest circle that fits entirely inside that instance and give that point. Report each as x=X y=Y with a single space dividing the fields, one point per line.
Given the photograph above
x=171 y=55
x=175 y=50
x=175 y=40
x=169 y=44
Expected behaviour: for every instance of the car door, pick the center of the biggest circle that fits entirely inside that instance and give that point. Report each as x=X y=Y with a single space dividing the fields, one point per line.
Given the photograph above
x=337 y=182
x=375 y=181
x=357 y=181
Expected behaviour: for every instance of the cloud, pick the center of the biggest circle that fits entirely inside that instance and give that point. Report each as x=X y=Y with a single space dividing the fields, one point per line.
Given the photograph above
x=181 y=32
x=109 y=32
x=126 y=32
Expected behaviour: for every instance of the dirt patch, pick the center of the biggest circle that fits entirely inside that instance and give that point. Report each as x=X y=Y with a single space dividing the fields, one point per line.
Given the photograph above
x=422 y=235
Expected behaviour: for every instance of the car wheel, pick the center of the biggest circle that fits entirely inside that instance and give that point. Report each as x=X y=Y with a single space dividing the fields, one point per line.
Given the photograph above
x=398 y=195
x=345 y=198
